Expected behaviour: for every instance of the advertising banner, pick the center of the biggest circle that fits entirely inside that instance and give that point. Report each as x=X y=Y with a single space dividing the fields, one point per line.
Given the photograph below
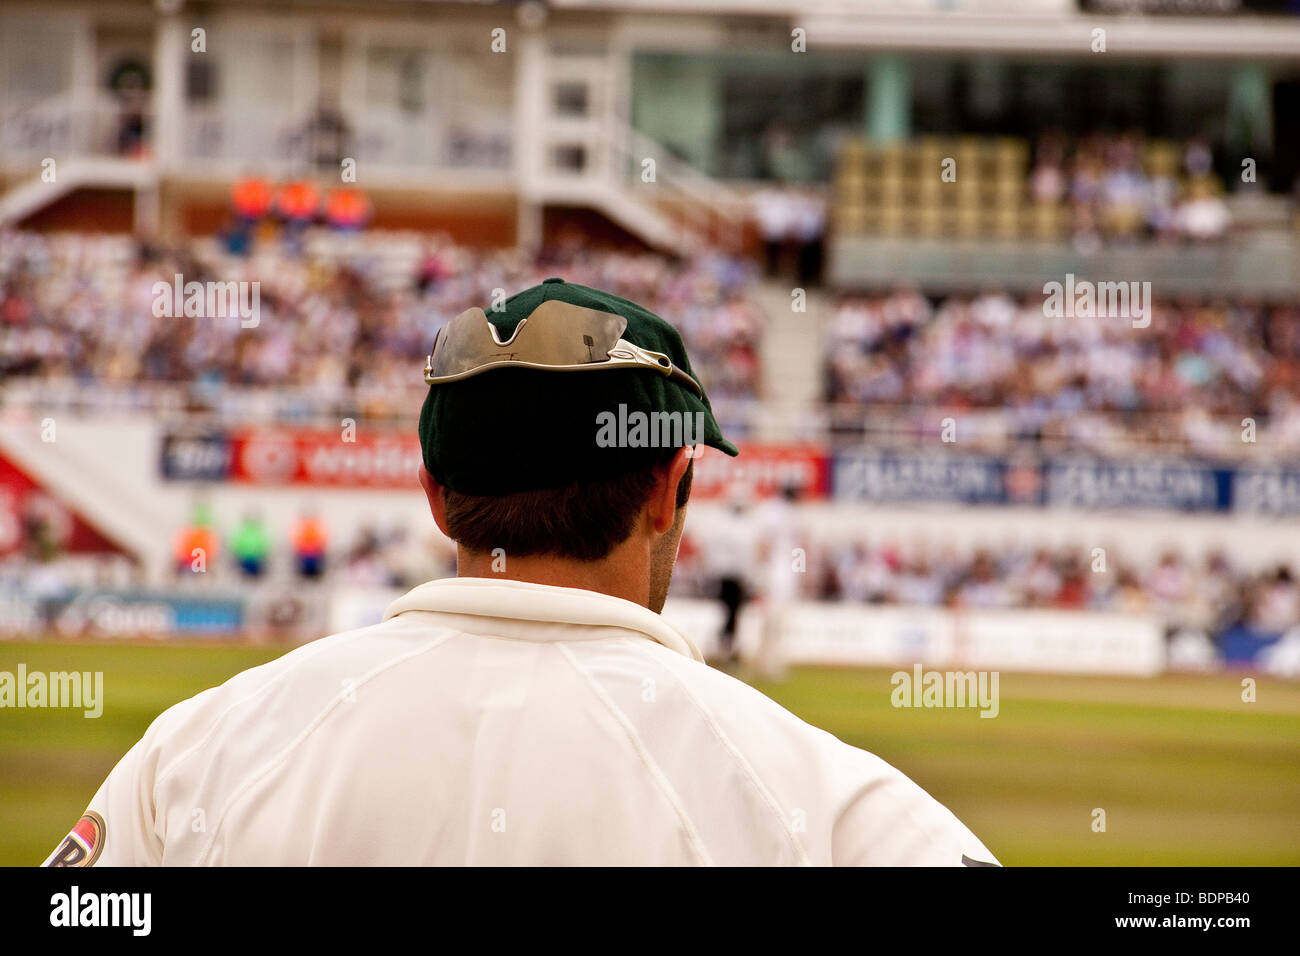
x=388 y=459
x=761 y=471
x=1063 y=482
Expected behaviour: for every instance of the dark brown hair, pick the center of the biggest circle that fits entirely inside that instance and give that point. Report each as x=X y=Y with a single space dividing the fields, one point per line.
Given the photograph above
x=584 y=521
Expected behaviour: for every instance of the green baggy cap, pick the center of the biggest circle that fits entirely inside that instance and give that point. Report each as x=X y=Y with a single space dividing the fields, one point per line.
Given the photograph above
x=520 y=429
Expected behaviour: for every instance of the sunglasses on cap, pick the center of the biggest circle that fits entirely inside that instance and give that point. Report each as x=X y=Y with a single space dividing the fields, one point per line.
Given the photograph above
x=556 y=337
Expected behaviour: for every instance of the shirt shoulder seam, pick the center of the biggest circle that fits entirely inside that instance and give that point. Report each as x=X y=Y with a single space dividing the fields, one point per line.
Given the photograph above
x=304 y=735
x=665 y=786
x=745 y=766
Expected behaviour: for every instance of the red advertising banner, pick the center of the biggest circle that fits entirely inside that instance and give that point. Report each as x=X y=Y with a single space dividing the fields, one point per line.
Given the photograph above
x=762 y=471
x=33 y=518
x=325 y=457
x=391 y=460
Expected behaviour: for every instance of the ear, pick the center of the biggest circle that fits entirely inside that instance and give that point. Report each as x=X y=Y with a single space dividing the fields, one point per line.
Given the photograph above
x=662 y=507
x=437 y=505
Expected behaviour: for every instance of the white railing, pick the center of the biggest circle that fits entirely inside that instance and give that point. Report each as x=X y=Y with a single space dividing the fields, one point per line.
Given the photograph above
x=270 y=141
x=75 y=125
x=709 y=207
x=680 y=205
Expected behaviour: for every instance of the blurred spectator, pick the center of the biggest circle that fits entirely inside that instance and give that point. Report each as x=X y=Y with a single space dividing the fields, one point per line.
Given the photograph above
x=784 y=157
x=330 y=138
x=1213 y=598
x=309 y=541
x=364 y=564
x=1125 y=192
x=130 y=86
x=775 y=212
x=297 y=204
x=729 y=556
x=808 y=230
x=250 y=545
x=196 y=543
x=1047 y=179
x=1202 y=216
x=1076 y=383
x=251 y=197
x=1116 y=195
x=344 y=327
x=347 y=208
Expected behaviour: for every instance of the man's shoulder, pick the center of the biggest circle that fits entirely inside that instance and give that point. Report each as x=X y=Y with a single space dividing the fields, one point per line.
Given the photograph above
x=291 y=690
x=873 y=812
x=741 y=713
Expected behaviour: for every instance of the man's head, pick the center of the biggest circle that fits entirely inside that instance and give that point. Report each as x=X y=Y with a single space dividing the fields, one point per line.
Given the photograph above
x=557 y=439
x=619 y=535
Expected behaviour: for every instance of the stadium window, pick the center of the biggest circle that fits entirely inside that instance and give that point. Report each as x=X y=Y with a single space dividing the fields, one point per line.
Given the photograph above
x=570 y=158
x=36 y=58
x=200 y=80
x=778 y=126
x=410 y=96
x=570 y=99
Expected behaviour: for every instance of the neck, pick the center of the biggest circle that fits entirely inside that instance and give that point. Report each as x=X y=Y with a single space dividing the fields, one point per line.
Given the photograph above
x=620 y=574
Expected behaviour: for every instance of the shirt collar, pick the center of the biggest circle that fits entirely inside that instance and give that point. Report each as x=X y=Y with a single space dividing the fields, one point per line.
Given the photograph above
x=522 y=609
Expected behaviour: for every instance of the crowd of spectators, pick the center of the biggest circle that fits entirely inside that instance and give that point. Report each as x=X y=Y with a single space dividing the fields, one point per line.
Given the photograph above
x=1190 y=378
x=1207 y=594
x=347 y=322
x=1210 y=596
x=252 y=552
x=1113 y=194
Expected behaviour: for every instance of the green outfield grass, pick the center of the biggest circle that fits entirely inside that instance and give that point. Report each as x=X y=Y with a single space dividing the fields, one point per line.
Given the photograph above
x=1186 y=772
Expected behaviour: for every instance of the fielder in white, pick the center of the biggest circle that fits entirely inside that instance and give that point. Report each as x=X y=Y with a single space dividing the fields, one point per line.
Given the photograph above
x=537 y=709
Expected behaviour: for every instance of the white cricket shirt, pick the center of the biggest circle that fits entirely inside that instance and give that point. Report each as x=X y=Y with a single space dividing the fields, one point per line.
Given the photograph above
x=498 y=722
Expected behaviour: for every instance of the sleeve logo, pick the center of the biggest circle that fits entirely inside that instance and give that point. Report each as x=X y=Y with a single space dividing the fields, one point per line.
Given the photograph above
x=82 y=846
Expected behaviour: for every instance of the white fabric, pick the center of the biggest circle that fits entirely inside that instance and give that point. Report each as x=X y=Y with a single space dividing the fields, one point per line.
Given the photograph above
x=497 y=722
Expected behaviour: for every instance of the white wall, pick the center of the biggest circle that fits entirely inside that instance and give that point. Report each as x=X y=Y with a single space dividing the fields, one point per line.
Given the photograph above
x=109 y=469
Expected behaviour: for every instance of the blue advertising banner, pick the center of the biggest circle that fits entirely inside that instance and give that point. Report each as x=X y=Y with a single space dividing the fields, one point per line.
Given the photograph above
x=196 y=456
x=106 y=613
x=1164 y=485
x=1270 y=491
x=904 y=476
x=1069 y=482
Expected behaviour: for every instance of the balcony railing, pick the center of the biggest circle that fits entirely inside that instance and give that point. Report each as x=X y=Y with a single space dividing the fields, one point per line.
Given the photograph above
x=268 y=140
x=73 y=126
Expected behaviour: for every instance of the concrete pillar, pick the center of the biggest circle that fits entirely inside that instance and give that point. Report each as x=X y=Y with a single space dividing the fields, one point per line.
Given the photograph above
x=530 y=112
x=171 y=46
x=1249 y=122
x=678 y=104
x=529 y=146
x=889 y=99
x=84 y=89
x=147 y=210
x=528 y=226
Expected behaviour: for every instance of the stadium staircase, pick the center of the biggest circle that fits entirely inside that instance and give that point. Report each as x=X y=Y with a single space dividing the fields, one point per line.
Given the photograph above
x=681 y=210
x=791 y=359
x=90 y=172
x=593 y=158
x=77 y=470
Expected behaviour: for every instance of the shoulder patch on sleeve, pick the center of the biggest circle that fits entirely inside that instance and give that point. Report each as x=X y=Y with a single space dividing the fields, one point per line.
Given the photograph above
x=83 y=844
